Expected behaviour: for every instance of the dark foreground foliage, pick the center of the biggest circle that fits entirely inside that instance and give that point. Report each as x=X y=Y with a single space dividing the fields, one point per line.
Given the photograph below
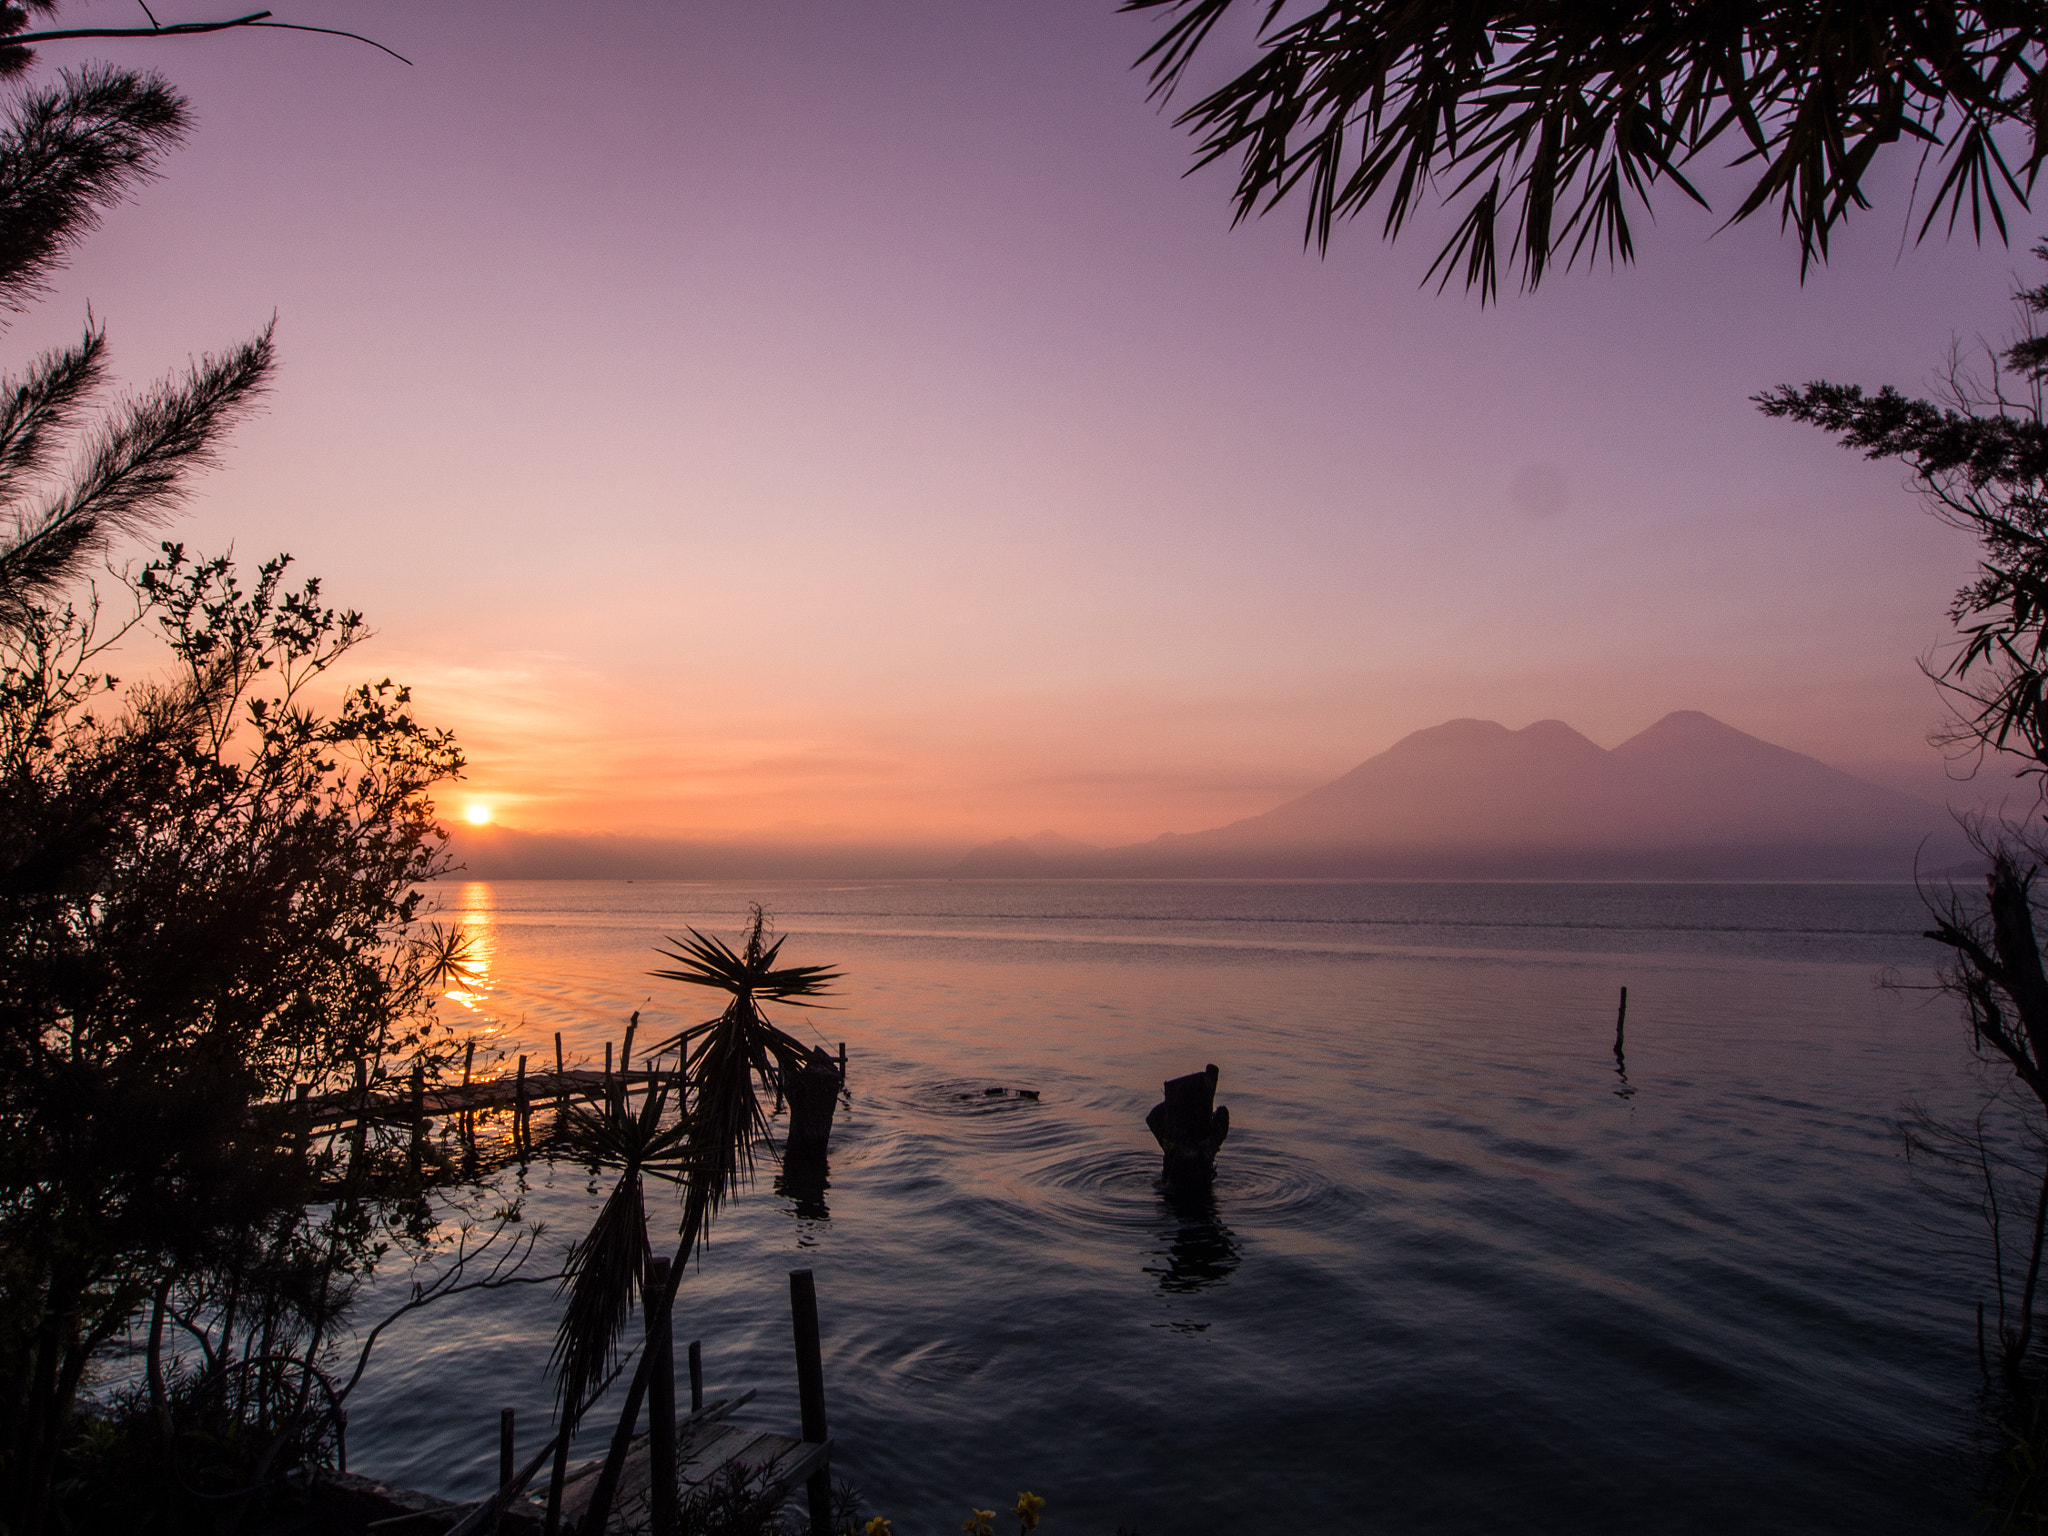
x=208 y=896
x=1979 y=456
x=1545 y=124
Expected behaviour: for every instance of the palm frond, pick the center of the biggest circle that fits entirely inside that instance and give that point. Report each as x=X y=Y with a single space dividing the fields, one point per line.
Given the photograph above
x=708 y=961
x=607 y=1269
x=1561 y=119
x=603 y=1276
x=733 y=1057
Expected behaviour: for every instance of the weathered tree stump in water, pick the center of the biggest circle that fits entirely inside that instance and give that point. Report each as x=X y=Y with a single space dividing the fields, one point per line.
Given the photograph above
x=813 y=1094
x=1189 y=1127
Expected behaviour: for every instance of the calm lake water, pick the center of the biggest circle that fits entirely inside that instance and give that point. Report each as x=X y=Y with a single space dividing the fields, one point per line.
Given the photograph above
x=1455 y=1278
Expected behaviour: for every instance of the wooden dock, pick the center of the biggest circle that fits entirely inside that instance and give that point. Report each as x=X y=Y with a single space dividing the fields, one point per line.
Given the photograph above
x=707 y=1446
x=521 y=1091
x=338 y=1111
x=711 y=1455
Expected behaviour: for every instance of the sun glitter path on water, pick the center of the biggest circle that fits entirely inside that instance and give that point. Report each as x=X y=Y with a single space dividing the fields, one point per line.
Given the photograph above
x=479 y=814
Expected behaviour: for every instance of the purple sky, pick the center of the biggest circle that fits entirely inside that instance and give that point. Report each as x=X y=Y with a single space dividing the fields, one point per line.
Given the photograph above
x=851 y=416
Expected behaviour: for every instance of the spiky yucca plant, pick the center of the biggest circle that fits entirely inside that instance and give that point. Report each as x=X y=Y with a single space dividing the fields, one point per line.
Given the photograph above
x=733 y=1057
x=728 y=1062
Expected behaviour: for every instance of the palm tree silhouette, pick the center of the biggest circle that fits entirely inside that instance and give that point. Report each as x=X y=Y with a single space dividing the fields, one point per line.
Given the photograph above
x=723 y=1066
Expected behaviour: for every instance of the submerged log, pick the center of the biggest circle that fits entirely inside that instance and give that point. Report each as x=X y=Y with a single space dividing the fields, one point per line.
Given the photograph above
x=1189 y=1127
x=813 y=1095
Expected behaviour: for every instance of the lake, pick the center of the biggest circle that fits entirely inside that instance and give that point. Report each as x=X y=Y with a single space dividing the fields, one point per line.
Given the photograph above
x=1459 y=1275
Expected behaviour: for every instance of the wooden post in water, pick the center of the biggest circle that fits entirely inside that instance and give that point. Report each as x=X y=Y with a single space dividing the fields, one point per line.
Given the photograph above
x=810 y=1389
x=696 y=1376
x=1626 y=1090
x=607 y=1069
x=519 y=1104
x=626 y=1064
x=661 y=1403
x=842 y=1063
x=505 y=1457
x=419 y=1112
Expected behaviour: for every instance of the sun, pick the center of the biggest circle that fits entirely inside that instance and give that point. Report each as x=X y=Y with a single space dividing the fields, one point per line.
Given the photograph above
x=479 y=813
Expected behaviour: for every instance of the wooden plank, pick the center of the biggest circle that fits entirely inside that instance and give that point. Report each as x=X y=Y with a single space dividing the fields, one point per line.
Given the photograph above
x=583 y=1470
x=701 y=1459
x=766 y=1446
x=453 y=1098
x=804 y=1459
x=712 y=1412
x=793 y=1460
x=635 y=1476
x=633 y=1480
x=708 y=1445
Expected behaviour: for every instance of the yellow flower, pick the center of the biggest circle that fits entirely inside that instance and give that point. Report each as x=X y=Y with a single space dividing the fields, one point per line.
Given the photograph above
x=1028 y=1506
x=877 y=1527
x=979 y=1522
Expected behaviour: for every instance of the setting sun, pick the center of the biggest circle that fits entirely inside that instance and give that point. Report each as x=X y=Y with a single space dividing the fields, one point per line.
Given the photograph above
x=479 y=814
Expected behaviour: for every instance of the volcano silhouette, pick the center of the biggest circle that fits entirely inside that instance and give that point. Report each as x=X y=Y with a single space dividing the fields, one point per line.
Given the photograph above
x=1689 y=798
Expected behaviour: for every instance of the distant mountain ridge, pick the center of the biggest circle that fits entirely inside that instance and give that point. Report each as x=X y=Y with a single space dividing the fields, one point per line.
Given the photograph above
x=1689 y=798
x=1012 y=857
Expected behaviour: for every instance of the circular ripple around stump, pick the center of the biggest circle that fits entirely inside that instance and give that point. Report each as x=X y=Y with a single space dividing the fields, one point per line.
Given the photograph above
x=1122 y=1187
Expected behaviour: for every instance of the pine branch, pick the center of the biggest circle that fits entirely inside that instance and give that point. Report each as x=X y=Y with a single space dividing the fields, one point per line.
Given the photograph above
x=44 y=406
x=68 y=153
x=138 y=471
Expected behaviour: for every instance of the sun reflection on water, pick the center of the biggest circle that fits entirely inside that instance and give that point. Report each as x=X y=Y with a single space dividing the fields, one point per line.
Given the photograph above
x=475 y=912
